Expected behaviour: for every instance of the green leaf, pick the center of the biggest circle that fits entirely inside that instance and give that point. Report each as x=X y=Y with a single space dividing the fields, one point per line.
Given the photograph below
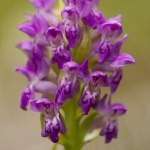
x=42 y=120
x=91 y=136
x=85 y=46
x=85 y=125
x=54 y=147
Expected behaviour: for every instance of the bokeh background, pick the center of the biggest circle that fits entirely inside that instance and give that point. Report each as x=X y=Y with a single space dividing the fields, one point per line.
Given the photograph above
x=20 y=130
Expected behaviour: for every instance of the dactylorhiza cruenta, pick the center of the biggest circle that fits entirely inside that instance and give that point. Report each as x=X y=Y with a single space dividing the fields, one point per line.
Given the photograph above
x=72 y=50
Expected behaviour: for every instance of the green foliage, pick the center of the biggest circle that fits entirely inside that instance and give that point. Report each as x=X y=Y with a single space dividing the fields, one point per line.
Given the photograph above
x=54 y=147
x=42 y=120
x=84 y=47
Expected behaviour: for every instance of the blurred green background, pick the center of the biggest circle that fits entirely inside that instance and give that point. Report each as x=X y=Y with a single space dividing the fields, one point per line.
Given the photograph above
x=21 y=130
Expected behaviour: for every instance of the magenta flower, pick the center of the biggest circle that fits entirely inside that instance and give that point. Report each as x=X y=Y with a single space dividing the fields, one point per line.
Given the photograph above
x=78 y=49
x=35 y=72
x=71 y=17
x=36 y=29
x=108 y=121
x=109 y=30
x=52 y=123
x=70 y=85
x=91 y=91
x=61 y=54
x=45 y=9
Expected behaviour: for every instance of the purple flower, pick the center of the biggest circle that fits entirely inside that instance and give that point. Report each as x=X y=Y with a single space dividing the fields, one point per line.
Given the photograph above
x=82 y=6
x=70 y=85
x=89 y=16
x=60 y=54
x=52 y=123
x=45 y=8
x=37 y=68
x=109 y=30
x=118 y=62
x=91 y=91
x=115 y=51
x=36 y=28
x=108 y=121
x=113 y=63
x=90 y=20
x=71 y=17
x=29 y=48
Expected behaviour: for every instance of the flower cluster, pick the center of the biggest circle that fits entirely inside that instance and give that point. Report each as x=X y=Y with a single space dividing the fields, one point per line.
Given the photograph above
x=72 y=46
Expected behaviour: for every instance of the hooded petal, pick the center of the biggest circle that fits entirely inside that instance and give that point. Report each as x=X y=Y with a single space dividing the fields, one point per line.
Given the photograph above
x=81 y=71
x=25 y=97
x=45 y=87
x=111 y=29
x=122 y=60
x=44 y=106
x=54 y=37
x=117 y=109
x=70 y=15
x=97 y=79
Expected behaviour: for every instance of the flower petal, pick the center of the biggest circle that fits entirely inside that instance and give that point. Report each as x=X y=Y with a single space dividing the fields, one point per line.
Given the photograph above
x=90 y=20
x=60 y=56
x=54 y=37
x=115 y=79
x=62 y=127
x=43 y=4
x=103 y=67
x=25 y=45
x=122 y=60
x=26 y=71
x=111 y=29
x=117 y=109
x=101 y=105
x=28 y=28
x=43 y=105
x=64 y=92
x=25 y=97
x=87 y=101
x=40 y=23
x=45 y=87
